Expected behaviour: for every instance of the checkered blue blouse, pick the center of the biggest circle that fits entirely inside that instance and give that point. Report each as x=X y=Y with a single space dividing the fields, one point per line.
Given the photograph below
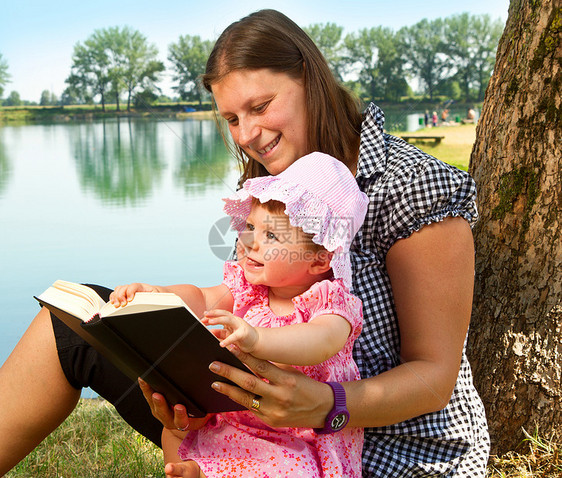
x=409 y=189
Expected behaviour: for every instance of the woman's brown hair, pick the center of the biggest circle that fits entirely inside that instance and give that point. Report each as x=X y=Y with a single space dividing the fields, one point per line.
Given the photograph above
x=268 y=39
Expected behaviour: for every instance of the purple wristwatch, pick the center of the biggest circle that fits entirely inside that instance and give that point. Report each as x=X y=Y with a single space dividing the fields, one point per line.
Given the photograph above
x=338 y=416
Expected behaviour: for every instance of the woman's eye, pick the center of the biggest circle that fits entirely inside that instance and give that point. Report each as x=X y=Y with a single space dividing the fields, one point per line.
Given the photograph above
x=261 y=108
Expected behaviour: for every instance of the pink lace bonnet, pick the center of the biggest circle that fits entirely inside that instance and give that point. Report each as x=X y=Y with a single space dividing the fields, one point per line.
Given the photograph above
x=321 y=197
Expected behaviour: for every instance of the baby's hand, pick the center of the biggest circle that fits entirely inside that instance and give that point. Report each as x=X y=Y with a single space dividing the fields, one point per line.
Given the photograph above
x=123 y=294
x=236 y=330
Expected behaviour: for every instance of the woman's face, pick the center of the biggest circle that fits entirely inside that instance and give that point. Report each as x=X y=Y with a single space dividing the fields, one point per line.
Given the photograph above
x=266 y=115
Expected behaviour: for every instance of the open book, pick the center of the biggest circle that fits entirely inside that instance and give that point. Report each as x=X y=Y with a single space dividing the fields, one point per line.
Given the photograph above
x=156 y=336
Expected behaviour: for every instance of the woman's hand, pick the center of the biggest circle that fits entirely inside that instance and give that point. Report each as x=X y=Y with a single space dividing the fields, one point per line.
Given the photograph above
x=174 y=419
x=123 y=294
x=287 y=399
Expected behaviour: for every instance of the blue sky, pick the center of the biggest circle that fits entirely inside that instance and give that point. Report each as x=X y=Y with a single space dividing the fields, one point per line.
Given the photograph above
x=37 y=37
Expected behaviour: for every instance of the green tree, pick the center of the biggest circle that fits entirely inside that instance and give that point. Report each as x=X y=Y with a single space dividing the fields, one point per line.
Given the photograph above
x=114 y=40
x=141 y=68
x=189 y=57
x=471 y=42
x=328 y=39
x=134 y=67
x=71 y=97
x=423 y=47
x=45 y=98
x=375 y=52
x=48 y=98
x=13 y=99
x=4 y=75
x=90 y=71
x=488 y=32
x=114 y=61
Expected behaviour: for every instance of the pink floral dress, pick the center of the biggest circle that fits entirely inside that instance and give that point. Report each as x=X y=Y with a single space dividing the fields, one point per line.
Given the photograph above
x=239 y=443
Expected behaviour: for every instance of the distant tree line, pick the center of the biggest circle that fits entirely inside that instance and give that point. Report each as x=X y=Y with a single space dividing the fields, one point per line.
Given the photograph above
x=4 y=75
x=449 y=57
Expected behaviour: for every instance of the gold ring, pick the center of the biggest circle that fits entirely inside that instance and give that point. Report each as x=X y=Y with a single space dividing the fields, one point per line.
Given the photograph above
x=255 y=404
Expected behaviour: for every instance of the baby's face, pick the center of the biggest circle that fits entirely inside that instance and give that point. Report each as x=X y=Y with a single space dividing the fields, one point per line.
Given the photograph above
x=277 y=254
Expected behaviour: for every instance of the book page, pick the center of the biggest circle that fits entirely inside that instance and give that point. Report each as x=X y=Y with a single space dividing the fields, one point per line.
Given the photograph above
x=76 y=299
x=145 y=302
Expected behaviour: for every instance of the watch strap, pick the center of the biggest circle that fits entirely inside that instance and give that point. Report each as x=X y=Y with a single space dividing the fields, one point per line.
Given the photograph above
x=338 y=417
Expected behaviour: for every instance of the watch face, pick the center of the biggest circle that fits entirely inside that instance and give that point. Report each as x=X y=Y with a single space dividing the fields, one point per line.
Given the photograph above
x=339 y=421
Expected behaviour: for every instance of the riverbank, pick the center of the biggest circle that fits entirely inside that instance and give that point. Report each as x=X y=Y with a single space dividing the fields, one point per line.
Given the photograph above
x=395 y=112
x=16 y=115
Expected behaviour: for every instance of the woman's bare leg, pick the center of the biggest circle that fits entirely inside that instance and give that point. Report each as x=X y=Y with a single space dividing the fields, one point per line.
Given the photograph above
x=35 y=396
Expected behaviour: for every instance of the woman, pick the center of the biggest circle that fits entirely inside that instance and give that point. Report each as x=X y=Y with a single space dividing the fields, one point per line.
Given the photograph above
x=413 y=264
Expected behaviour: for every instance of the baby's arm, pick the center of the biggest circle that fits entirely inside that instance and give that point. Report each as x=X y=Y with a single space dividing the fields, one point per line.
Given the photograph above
x=298 y=344
x=198 y=299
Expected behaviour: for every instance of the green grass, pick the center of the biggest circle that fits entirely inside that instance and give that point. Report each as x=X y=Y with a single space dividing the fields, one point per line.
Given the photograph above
x=95 y=442
x=454 y=149
x=457 y=155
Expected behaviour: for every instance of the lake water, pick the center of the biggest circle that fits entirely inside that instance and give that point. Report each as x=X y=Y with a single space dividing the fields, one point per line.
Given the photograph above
x=108 y=202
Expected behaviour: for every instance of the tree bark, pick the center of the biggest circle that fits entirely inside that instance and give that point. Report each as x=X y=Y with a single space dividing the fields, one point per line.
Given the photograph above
x=515 y=343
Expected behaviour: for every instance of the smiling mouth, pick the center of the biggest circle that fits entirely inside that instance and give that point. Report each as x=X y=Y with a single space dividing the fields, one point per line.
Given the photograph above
x=270 y=146
x=253 y=263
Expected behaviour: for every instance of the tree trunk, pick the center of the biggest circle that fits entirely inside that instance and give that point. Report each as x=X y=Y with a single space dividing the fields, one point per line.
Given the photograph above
x=515 y=343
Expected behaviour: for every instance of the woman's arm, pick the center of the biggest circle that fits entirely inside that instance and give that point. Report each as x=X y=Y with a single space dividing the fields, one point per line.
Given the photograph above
x=298 y=344
x=432 y=276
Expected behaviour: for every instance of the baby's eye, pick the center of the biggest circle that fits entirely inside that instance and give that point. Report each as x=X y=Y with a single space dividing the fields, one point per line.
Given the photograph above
x=271 y=236
x=249 y=227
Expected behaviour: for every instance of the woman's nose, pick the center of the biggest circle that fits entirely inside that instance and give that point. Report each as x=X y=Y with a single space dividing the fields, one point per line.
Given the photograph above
x=248 y=131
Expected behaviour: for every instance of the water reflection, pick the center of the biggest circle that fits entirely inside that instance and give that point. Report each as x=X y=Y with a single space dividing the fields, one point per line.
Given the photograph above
x=5 y=167
x=122 y=161
x=118 y=160
x=204 y=160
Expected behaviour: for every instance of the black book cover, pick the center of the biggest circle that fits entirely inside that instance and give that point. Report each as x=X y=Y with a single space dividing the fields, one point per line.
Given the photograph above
x=170 y=349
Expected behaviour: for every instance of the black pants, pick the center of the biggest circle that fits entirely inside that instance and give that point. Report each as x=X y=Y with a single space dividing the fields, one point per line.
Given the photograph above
x=83 y=366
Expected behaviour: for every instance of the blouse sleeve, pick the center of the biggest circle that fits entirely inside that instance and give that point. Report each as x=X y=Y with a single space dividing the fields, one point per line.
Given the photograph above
x=331 y=297
x=421 y=191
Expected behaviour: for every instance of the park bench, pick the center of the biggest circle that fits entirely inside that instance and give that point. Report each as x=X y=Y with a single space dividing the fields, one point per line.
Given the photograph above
x=409 y=138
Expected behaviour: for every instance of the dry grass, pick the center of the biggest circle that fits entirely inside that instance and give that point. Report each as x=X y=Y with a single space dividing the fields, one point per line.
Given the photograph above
x=539 y=457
